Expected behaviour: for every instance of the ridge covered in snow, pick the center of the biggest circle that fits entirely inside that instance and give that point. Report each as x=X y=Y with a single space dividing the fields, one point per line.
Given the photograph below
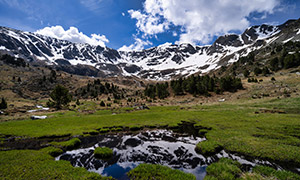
x=159 y=63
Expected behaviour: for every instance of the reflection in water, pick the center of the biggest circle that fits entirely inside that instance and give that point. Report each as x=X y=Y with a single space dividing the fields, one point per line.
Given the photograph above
x=156 y=147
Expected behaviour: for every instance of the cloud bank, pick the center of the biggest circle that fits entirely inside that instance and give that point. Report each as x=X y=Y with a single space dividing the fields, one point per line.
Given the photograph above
x=73 y=35
x=199 y=20
x=138 y=45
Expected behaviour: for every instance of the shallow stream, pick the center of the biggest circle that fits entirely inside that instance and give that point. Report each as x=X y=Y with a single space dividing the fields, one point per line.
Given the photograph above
x=163 y=147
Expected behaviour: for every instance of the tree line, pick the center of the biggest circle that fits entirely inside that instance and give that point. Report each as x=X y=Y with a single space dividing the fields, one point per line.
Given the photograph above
x=195 y=85
x=97 y=88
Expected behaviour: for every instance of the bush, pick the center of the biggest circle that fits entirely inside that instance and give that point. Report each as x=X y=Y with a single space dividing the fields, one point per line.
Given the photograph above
x=155 y=171
x=208 y=147
x=103 y=152
x=273 y=79
x=257 y=71
x=246 y=73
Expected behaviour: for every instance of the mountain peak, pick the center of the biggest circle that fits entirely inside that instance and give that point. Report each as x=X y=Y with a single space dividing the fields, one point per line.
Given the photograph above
x=161 y=62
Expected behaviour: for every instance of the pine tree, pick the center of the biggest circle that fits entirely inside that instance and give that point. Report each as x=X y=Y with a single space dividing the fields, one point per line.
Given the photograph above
x=77 y=102
x=60 y=96
x=3 y=104
x=102 y=104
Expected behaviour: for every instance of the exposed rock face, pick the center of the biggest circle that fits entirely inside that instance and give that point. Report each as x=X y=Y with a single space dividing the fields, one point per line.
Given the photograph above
x=162 y=62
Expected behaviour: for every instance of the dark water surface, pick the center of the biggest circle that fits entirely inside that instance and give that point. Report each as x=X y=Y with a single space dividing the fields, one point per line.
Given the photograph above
x=156 y=147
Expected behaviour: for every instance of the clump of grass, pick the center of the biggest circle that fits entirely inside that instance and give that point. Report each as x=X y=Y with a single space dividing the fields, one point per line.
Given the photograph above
x=223 y=169
x=53 y=151
x=38 y=164
x=103 y=152
x=154 y=171
x=173 y=126
x=202 y=132
x=208 y=147
x=93 y=132
x=69 y=145
x=116 y=129
x=273 y=173
x=104 y=130
x=135 y=128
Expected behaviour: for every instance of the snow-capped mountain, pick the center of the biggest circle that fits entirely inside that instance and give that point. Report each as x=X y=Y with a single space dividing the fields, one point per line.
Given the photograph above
x=163 y=62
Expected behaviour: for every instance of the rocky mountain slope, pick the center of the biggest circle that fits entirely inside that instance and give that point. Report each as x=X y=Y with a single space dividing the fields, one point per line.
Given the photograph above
x=163 y=62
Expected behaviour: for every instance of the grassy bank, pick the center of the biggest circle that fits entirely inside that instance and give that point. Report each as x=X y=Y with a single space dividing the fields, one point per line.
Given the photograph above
x=33 y=164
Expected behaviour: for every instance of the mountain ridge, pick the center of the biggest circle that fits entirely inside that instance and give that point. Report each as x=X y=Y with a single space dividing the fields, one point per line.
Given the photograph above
x=163 y=62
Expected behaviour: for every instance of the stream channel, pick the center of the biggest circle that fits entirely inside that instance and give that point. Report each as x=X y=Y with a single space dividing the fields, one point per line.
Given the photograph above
x=165 y=147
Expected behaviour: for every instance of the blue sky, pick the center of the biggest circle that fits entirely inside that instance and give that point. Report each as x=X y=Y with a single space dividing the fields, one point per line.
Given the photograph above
x=137 y=24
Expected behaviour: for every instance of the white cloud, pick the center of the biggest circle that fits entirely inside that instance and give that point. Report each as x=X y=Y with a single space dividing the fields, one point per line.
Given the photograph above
x=92 y=5
x=139 y=44
x=147 y=23
x=73 y=35
x=199 y=20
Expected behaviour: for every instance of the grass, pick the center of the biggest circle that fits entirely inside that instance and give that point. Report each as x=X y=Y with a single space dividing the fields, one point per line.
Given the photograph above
x=270 y=172
x=227 y=169
x=103 y=152
x=38 y=164
x=208 y=147
x=224 y=169
x=158 y=172
x=69 y=145
x=53 y=151
x=235 y=126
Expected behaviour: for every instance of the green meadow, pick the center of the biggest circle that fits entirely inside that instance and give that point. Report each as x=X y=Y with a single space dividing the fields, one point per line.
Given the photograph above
x=262 y=128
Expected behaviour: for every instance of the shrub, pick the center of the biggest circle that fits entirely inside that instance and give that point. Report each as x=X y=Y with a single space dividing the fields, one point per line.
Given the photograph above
x=208 y=147
x=273 y=79
x=103 y=152
x=155 y=171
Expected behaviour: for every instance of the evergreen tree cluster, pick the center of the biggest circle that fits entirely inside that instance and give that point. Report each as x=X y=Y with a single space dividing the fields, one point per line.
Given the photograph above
x=196 y=85
x=286 y=60
x=97 y=88
x=13 y=61
x=159 y=90
x=202 y=85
